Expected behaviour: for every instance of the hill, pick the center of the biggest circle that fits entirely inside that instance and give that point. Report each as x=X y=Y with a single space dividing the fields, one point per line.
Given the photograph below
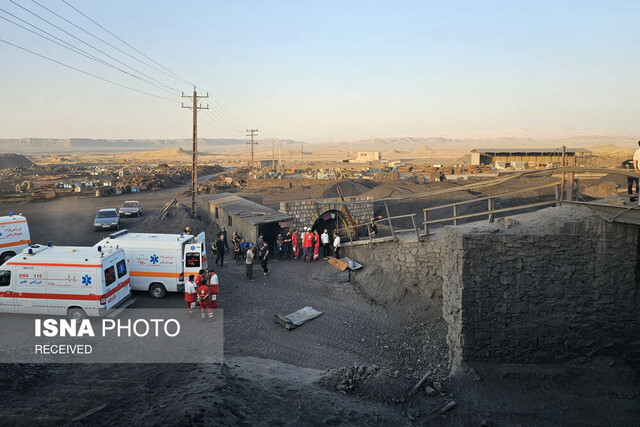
x=14 y=161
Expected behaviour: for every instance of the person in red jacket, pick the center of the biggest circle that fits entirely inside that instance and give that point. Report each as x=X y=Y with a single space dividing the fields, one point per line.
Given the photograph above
x=296 y=244
x=214 y=288
x=316 y=244
x=204 y=300
x=307 y=245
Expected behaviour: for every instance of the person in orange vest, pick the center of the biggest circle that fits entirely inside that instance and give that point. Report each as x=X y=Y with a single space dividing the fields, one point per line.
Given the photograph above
x=316 y=244
x=307 y=245
x=296 y=244
x=190 y=294
x=204 y=300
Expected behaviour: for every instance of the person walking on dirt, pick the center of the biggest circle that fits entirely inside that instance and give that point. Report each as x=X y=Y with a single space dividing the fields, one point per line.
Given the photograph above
x=325 y=243
x=336 y=244
x=249 y=262
x=295 y=241
x=204 y=300
x=287 y=245
x=190 y=294
x=259 y=242
x=214 y=289
x=221 y=245
x=264 y=257
x=316 y=244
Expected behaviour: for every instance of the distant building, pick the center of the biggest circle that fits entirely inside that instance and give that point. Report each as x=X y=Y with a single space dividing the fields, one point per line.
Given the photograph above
x=523 y=158
x=268 y=164
x=367 y=156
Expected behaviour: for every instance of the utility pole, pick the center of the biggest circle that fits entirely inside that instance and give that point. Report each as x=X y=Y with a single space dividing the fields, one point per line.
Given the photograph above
x=280 y=156
x=302 y=153
x=194 y=166
x=273 y=154
x=252 y=132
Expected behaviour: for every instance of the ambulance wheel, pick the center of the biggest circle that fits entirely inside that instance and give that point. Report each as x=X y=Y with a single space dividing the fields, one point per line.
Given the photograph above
x=6 y=257
x=157 y=290
x=76 y=313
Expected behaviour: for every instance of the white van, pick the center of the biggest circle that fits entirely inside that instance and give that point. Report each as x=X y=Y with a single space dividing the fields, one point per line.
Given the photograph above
x=14 y=236
x=64 y=280
x=158 y=263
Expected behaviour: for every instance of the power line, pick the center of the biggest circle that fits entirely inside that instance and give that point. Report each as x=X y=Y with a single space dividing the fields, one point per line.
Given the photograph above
x=91 y=46
x=103 y=41
x=221 y=123
x=73 y=48
x=176 y=76
x=86 y=72
x=225 y=121
x=233 y=121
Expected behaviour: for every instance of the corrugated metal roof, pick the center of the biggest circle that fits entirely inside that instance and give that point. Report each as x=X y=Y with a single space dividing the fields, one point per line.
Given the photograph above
x=248 y=211
x=541 y=151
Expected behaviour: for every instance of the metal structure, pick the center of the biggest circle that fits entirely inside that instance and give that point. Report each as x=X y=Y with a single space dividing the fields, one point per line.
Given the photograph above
x=194 y=165
x=251 y=133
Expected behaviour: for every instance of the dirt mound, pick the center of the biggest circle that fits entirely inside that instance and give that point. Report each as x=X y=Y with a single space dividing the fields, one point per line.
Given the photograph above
x=350 y=188
x=599 y=190
x=372 y=382
x=376 y=286
x=177 y=218
x=14 y=161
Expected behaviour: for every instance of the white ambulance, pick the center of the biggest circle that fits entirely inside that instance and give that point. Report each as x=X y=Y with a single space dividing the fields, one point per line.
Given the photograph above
x=14 y=236
x=64 y=280
x=159 y=263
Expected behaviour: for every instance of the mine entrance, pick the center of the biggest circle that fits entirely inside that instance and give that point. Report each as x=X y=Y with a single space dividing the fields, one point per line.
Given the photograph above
x=332 y=220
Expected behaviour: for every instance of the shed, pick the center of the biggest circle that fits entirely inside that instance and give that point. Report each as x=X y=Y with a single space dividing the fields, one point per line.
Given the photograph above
x=528 y=157
x=247 y=218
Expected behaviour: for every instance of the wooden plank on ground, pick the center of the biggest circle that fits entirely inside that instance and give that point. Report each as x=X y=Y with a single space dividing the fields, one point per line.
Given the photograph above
x=340 y=265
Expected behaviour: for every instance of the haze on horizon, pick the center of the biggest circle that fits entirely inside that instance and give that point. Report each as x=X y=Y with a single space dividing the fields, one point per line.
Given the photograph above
x=327 y=71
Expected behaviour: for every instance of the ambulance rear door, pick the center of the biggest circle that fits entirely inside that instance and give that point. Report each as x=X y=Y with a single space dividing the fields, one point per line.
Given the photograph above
x=7 y=303
x=192 y=258
x=203 y=249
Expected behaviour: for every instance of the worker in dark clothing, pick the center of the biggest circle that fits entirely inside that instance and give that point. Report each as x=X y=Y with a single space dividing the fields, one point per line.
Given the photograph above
x=264 y=257
x=279 y=254
x=628 y=164
x=221 y=246
x=287 y=245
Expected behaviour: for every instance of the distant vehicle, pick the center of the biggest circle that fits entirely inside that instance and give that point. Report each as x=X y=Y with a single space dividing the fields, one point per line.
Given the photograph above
x=131 y=208
x=14 y=236
x=106 y=219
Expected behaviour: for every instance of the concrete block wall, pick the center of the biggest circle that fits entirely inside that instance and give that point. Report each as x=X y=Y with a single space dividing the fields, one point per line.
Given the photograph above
x=550 y=286
x=415 y=266
x=305 y=212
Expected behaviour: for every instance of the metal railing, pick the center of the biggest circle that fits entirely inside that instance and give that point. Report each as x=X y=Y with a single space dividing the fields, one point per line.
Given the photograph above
x=382 y=220
x=491 y=211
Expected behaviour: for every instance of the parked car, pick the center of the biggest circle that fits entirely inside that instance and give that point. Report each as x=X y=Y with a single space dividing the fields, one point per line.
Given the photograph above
x=131 y=208
x=106 y=219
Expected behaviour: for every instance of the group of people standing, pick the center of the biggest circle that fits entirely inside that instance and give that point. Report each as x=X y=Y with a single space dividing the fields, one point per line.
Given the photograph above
x=306 y=245
x=202 y=291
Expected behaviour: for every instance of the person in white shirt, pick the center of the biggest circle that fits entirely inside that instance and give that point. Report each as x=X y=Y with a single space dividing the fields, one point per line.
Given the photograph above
x=324 y=238
x=214 y=287
x=336 y=244
x=249 y=262
x=190 y=293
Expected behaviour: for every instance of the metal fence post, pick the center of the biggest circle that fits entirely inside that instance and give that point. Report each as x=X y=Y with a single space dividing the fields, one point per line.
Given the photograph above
x=415 y=227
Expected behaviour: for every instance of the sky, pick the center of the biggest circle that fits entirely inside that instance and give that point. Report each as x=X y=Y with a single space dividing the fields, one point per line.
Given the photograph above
x=321 y=70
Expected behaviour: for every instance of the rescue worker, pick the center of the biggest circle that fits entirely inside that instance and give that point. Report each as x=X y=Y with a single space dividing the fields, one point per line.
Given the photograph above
x=214 y=288
x=204 y=300
x=249 y=262
x=307 y=245
x=374 y=228
x=316 y=244
x=295 y=241
x=190 y=294
x=201 y=277
x=187 y=230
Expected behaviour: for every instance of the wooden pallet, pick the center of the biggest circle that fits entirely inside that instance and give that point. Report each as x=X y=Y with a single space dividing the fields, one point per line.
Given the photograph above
x=340 y=265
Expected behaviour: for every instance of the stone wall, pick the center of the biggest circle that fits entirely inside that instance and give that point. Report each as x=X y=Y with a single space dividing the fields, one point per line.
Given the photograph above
x=556 y=284
x=415 y=266
x=305 y=212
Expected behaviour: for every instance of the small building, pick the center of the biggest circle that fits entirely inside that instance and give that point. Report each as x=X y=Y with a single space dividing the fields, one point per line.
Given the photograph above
x=522 y=158
x=246 y=217
x=367 y=156
x=268 y=164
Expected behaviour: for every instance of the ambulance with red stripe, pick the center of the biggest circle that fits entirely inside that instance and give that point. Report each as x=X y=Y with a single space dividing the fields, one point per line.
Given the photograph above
x=14 y=236
x=64 y=280
x=159 y=263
